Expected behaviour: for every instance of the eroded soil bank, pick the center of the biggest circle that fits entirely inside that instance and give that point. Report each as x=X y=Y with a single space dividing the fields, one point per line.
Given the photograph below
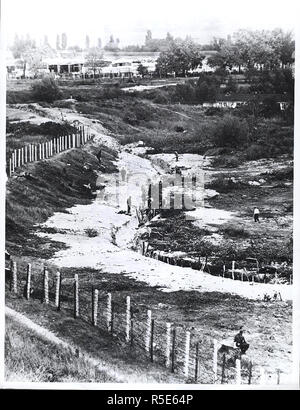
x=209 y=303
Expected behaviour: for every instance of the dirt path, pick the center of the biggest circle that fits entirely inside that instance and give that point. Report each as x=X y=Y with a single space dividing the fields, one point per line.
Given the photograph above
x=111 y=250
x=111 y=370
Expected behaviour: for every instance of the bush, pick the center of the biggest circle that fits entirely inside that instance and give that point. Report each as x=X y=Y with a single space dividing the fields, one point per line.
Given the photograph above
x=230 y=131
x=255 y=151
x=185 y=93
x=178 y=128
x=227 y=161
x=235 y=231
x=46 y=90
x=91 y=233
x=212 y=111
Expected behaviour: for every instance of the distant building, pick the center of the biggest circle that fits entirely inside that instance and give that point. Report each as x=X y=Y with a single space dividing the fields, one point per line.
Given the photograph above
x=63 y=66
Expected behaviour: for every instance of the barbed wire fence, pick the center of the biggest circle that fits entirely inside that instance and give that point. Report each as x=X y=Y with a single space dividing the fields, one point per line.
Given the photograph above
x=174 y=347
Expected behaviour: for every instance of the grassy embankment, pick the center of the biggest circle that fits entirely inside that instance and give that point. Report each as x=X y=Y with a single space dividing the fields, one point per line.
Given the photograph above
x=49 y=186
x=30 y=358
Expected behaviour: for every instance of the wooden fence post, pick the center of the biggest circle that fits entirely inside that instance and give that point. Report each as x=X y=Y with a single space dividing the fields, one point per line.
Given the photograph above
x=168 y=344
x=197 y=363
x=73 y=140
x=108 y=312
x=10 y=168
x=76 y=296
x=15 y=157
x=128 y=310
x=95 y=306
x=223 y=369
x=215 y=361
x=40 y=152
x=148 y=331
x=262 y=379
x=57 y=290
x=187 y=353
x=250 y=373
x=173 y=351
x=12 y=162
x=131 y=326
x=26 y=154
x=238 y=371
x=13 y=277
x=19 y=158
x=69 y=140
x=28 y=281
x=112 y=318
x=152 y=341
x=278 y=376
x=46 y=286
x=232 y=269
x=22 y=156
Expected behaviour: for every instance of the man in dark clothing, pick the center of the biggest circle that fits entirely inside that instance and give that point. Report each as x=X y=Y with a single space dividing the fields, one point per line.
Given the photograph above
x=99 y=156
x=241 y=342
x=129 y=205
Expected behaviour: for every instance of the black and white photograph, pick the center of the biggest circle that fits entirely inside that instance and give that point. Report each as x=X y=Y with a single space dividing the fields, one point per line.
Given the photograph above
x=149 y=202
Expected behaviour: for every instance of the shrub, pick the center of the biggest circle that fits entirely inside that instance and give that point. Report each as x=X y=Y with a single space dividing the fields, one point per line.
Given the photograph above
x=227 y=161
x=235 y=231
x=185 y=93
x=255 y=151
x=46 y=90
x=211 y=111
x=91 y=233
x=230 y=131
x=178 y=128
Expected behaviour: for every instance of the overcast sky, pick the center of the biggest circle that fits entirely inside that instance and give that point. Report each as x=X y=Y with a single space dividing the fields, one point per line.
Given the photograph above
x=130 y=19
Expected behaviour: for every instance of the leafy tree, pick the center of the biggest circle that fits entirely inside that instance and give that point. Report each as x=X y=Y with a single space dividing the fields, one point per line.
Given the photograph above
x=263 y=50
x=142 y=70
x=46 y=90
x=94 y=59
x=230 y=131
x=64 y=41
x=57 y=42
x=87 y=42
x=148 y=37
x=23 y=49
x=180 y=57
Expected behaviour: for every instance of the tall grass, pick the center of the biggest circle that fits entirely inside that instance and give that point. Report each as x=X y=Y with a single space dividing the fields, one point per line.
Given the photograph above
x=29 y=358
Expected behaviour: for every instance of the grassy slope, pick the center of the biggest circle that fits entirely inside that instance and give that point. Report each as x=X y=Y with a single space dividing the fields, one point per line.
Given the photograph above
x=211 y=314
x=29 y=358
x=53 y=185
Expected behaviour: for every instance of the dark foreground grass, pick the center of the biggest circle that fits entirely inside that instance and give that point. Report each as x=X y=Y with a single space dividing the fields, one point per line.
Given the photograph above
x=30 y=358
x=268 y=325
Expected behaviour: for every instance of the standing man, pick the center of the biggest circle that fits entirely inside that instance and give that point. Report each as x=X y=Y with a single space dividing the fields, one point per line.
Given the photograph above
x=256 y=214
x=176 y=156
x=99 y=156
x=129 y=205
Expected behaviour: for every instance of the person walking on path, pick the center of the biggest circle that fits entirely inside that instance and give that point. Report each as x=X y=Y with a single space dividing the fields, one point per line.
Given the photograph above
x=256 y=214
